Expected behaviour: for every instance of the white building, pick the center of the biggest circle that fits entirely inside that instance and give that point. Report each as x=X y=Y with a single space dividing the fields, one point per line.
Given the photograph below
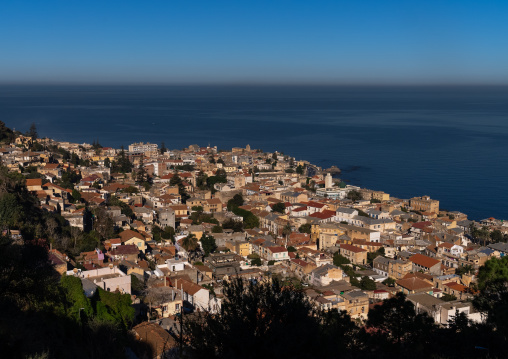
x=110 y=278
x=141 y=147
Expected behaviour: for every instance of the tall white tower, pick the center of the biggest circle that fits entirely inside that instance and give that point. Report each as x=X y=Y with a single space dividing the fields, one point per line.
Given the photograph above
x=328 y=181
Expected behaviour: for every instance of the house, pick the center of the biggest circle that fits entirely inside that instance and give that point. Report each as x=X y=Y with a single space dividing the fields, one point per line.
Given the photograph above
x=357 y=304
x=380 y=265
x=212 y=205
x=356 y=255
x=131 y=237
x=109 y=278
x=223 y=264
x=163 y=345
x=195 y=295
x=325 y=274
x=127 y=251
x=424 y=204
x=301 y=268
x=277 y=253
x=58 y=261
x=344 y=214
x=34 y=184
x=426 y=264
x=398 y=268
x=166 y=217
x=414 y=285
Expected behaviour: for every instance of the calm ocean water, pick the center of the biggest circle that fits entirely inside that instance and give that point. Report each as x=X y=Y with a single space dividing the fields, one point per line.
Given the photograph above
x=447 y=142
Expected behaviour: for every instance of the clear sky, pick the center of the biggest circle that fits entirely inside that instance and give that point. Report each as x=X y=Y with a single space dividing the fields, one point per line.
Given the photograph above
x=254 y=41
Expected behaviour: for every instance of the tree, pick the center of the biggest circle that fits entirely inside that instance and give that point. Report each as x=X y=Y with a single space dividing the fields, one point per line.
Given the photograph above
x=389 y=282
x=286 y=231
x=339 y=260
x=130 y=190
x=305 y=228
x=122 y=163
x=230 y=223
x=235 y=202
x=76 y=196
x=493 y=297
x=163 y=147
x=397 y=328
x=279 y=207
x=300 y=169
x=168 y=233
x=208 y=244
x=354 y=195
x=217 y=229
x=107 y=162
x=141 y=174
x=77 y=304
x=201 y=180
x=496 y=236
x=176 y=180
x=255 y=322
x=256 y=262
x=448 y=297
x=190 y=243
x=6 y=134
x=367 y=284
x=32 y=132
x=467 y=269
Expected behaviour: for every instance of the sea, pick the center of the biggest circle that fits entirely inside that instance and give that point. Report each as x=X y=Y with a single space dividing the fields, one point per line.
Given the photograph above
x=448 y=142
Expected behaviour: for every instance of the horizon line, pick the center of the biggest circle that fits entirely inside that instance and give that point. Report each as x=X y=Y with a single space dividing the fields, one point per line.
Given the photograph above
x=253 y=84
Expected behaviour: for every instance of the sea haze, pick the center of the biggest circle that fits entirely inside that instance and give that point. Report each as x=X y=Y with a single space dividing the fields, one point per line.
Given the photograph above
x=447 y=142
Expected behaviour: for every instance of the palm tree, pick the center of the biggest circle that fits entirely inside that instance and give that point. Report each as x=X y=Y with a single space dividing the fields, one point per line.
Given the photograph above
x=286 y=231
x=190 y=243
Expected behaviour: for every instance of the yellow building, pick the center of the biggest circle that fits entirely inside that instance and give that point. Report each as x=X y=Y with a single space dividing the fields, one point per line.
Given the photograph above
x=132 y=237
x=380 y=196
x=328 y=229
x=424 y=204
x=357 y=304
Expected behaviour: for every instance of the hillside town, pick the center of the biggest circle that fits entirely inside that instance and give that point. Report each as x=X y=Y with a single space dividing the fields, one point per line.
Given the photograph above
x=170 y=228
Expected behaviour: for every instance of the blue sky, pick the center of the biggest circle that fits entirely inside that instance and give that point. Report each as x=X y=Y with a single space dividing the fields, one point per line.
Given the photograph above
x=244 y=41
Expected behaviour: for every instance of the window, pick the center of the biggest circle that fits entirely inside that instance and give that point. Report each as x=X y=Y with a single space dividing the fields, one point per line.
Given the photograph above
x=177 y=306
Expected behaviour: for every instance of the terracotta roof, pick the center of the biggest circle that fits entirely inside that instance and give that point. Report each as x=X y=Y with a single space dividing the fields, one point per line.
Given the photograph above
x=446 y=245
x=128 y=234
x=300 y=262
x=277 y=249
x=421 y=225
x=351 y=248
x=125 y=250
x=414 y=284
x=188 y=287
x=159 y=340
x=34 y=182
x=315 y=204
x=423 y=260
x=213 y=201
x=456 y=286
x=321 y=215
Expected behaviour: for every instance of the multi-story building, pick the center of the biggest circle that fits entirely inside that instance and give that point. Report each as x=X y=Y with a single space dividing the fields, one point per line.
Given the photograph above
x=356 y=255
x=424 y=204
x=398 y=268
x=357 y=304
x=145 y=148
x=167 y=217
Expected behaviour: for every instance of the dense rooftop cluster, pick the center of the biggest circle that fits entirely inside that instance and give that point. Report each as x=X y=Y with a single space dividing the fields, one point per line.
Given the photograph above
x=175 y=230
